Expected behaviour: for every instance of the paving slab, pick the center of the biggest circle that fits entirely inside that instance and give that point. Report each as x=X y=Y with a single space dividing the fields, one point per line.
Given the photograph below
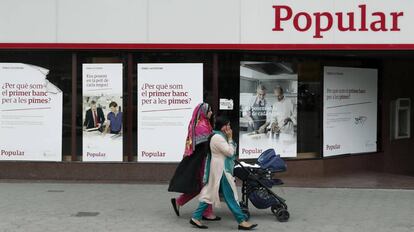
x=40 y=207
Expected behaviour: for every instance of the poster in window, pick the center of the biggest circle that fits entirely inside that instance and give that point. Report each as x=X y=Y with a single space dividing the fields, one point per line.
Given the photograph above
x=102 y=112
x=167 y=95
x=268 y=109
x=350 y=110
x=30 y=114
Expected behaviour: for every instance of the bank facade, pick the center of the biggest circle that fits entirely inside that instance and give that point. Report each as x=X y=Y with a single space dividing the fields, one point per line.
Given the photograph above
x=345 y=68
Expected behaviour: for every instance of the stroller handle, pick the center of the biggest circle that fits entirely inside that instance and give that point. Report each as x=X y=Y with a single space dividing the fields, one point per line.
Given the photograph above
x=246 y=170
x=243 y=167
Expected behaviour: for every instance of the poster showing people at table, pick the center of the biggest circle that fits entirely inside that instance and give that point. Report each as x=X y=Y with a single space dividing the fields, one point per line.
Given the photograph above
x=30 y=114
x=268 y=109
x=350 y=110
x=102 y=112
x=167 y=95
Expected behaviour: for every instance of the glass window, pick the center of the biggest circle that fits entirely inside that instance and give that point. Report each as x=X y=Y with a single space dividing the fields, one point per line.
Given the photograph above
x=59 y=65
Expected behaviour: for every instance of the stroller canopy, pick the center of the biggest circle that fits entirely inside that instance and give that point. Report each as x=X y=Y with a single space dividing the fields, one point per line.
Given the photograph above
x=270 y=160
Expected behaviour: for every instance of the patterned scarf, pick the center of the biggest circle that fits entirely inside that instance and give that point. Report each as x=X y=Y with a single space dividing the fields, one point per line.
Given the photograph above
x=199 y=128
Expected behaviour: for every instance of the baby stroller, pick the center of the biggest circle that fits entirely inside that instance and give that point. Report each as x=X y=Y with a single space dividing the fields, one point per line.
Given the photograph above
x=257 y=184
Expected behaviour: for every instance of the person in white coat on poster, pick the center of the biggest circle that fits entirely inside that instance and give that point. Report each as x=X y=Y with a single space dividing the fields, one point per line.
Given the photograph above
x=283 y=115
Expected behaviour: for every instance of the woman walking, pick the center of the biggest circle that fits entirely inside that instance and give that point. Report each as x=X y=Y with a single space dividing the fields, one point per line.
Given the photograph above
x=219 y=176
x=188 y=176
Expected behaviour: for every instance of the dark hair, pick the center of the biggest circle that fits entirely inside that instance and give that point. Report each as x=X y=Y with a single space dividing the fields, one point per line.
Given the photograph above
x=209 y=108
x=93 y=102
x=279 y=88
x=261 y=87
x=113 y=104
x=220 y=122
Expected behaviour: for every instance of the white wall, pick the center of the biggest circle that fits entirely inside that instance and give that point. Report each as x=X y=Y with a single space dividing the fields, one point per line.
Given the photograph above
x=102 y=21
x=194 y=21
x=185 y=21
x=27 y=21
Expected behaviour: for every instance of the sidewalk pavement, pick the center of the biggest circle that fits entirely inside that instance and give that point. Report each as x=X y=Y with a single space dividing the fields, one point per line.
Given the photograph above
x=41 y=207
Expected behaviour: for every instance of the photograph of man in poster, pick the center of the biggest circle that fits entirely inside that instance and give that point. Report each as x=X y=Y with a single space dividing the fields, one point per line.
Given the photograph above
x=94 y=117
x=283 y=115
x=257 y=110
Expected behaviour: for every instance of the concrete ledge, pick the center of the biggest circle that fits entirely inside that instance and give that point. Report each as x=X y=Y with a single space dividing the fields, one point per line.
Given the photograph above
x=158 y=173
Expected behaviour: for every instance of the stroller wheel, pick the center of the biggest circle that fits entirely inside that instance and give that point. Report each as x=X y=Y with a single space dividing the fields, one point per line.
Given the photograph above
x=282 y=215
x=244 y=209
x=242 y=204
x=276 y=207
x=247 y=213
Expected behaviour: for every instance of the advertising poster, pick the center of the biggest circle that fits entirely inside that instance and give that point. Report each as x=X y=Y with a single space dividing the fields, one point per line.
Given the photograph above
x=350 y=111
x=30 y=114
x=102 y=112
x=167 y=95
x=268 y=109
